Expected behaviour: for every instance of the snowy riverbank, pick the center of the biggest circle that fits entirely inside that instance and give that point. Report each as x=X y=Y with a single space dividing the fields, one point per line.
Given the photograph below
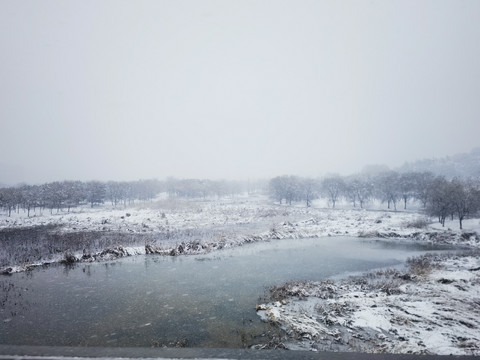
x=431 y=308
x=177 y=226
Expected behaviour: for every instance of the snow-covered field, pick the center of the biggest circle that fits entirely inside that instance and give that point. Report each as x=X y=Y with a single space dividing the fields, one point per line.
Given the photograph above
x=179 y=226
x=433 y=308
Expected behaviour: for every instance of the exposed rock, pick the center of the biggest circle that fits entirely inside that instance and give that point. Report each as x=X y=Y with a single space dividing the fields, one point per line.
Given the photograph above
x=69 y=259
x=7 y=271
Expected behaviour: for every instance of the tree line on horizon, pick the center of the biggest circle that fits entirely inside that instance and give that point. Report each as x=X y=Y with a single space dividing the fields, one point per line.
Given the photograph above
x=65 y=195
x=60 y=195
x=438 y=196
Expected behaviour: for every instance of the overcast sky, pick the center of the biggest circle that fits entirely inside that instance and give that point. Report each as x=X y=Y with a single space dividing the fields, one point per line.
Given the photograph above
x=125 y=90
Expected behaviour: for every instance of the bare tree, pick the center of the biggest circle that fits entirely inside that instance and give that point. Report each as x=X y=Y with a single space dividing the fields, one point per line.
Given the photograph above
x=334 y=188
x=440 y=202
x=359 y=188
x=286 y=187
x=407 y=187
x=351 y=185
x=277 y=188
x=8 y=199
x=422 y=180
x=388 y=189
x=95 y=192
x=308 y=190
x=465 y=199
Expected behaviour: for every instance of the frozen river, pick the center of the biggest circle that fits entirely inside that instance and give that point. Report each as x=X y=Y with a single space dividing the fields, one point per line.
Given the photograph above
x=199 y=301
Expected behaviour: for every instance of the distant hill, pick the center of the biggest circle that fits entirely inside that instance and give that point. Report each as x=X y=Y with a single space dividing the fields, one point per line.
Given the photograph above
x=465 y=165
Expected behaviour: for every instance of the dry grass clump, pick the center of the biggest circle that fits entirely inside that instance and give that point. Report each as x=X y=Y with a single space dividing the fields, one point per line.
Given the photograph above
x=330 y=312
x=387 y=281
x=302 y=289
x=284 y=291
x=419 y=223
x=368 y=234
x=42 y=243
x=421 y=265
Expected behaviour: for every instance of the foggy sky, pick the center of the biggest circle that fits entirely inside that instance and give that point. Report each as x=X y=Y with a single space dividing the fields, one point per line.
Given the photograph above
x=124 y=90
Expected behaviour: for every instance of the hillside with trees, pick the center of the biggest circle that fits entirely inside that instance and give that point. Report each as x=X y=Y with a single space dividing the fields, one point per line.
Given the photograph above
x=466 y=165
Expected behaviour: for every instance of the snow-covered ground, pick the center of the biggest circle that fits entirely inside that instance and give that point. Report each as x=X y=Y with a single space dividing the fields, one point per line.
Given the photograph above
x=180 y=226
x=433 y=308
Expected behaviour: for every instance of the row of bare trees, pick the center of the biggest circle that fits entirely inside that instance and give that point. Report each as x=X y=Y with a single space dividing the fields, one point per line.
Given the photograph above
x=389 y=187
x=437 y=195
x=453 y=198
x=203 y=188
x=65 y=195
x=68 y=194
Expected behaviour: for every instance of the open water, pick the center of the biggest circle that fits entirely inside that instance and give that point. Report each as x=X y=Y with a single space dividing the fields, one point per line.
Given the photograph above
x=199 y=300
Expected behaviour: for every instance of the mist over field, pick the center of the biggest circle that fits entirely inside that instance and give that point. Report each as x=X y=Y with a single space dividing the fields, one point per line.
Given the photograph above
x=210 y=174
x=123 y=90
x=242 y=174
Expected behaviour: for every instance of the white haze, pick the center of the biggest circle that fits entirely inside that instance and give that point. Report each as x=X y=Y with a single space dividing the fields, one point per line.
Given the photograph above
x=233 y=89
